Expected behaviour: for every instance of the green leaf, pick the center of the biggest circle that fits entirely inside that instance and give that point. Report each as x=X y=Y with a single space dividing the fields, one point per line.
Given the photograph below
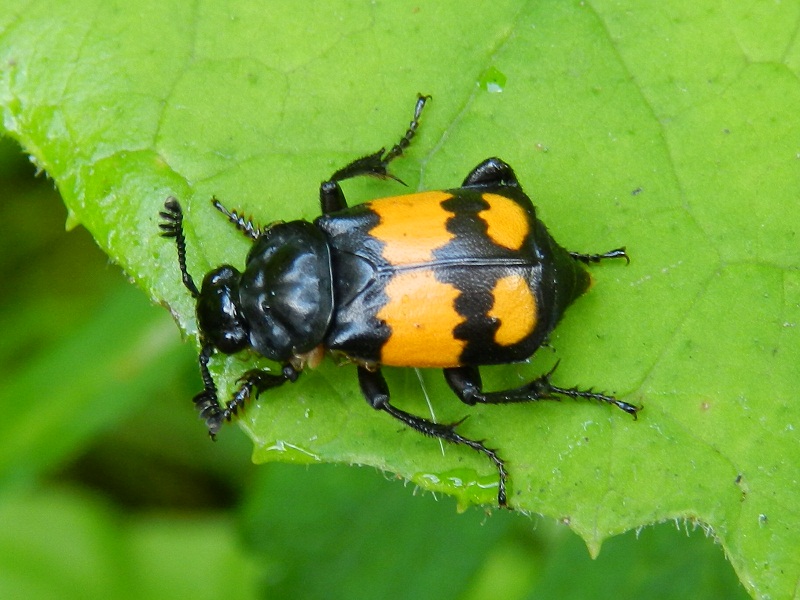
x=670 y=129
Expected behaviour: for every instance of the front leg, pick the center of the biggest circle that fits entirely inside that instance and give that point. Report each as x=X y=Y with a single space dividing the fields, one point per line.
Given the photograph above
x=256 y=379
x=207 y=401
x=372 y=165
x=331 y=197
x=376 y=392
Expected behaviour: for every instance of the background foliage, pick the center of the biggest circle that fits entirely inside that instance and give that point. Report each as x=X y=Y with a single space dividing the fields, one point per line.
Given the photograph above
x=671 y=129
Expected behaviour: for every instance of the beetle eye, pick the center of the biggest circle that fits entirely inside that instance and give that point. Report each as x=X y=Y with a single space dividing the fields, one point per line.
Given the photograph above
x=218 y=312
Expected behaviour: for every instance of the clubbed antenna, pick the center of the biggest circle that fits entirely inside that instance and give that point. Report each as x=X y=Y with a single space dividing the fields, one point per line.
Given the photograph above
x=172 y=227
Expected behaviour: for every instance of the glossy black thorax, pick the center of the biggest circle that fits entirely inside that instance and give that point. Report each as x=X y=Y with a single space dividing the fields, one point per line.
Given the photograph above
x=286 y=290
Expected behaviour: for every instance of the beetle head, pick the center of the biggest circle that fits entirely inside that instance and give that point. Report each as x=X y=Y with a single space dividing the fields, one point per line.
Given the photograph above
x=219 y=313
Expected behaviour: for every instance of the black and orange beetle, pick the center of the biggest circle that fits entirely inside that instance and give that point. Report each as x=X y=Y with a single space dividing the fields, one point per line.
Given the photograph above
x=450 y=279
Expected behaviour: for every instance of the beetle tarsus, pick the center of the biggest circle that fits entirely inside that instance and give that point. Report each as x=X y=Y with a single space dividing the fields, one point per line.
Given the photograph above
x=596 y=258
x=207 y=401
x=210 y=412
x=405 y=141
x=592 y=395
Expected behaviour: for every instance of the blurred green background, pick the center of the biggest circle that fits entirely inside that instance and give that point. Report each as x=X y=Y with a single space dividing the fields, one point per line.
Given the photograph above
x=109 y=487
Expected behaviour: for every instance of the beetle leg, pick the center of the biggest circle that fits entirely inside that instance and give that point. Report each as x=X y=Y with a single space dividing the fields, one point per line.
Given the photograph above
x=466 y=383
x=596 y=258
x=259 y=380
x=373 y=386
x=331 y=197
x=376 y=164
x=207 y=401
x=372 y=165
x=491 y=173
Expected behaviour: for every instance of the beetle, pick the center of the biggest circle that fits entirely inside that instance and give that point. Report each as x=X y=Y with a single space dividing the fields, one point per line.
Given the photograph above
x=452 y=279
